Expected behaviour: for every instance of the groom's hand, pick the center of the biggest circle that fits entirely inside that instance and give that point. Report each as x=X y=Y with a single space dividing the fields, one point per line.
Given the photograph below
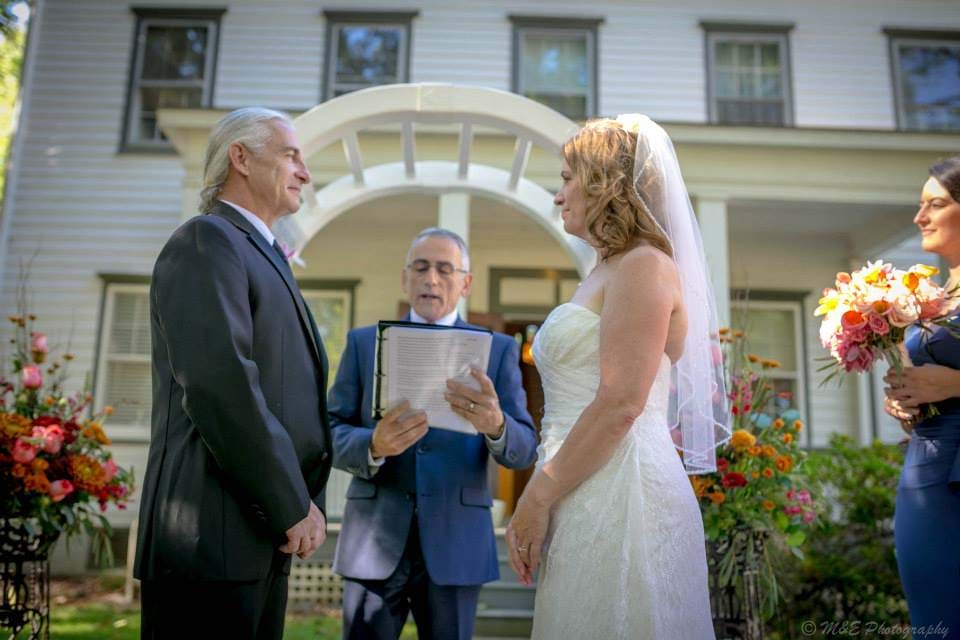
x=306 y=536
x=398 y=430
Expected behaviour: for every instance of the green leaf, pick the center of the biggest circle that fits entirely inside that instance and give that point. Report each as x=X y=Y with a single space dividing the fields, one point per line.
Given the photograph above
x=796 y=538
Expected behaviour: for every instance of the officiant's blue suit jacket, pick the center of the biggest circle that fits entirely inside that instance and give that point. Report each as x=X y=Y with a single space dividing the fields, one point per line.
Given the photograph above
x=441 y=480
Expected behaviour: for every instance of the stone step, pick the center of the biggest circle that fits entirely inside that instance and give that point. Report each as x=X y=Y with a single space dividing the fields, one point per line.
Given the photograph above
x=504 y=623
x=507 y=595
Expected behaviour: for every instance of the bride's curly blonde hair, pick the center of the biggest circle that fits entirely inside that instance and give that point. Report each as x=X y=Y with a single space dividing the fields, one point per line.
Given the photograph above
x=601 y=155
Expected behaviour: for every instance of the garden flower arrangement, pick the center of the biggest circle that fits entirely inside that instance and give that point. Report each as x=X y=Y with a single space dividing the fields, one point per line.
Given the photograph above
x=757 y=503
x=56 y=474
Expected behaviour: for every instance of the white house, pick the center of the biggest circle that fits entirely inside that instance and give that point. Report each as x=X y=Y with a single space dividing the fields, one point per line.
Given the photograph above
x=804 y=131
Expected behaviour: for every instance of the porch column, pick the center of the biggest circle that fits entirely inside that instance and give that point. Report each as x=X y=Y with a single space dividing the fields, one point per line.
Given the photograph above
x=454 y=215
x=712 y=215
x=869 y=405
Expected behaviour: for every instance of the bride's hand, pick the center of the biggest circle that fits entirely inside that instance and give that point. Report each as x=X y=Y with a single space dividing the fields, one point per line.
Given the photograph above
x=525 y=536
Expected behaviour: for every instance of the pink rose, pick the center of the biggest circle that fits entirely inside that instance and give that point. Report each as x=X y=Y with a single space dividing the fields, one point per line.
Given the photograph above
x=809 y=516
x=110 y=469
x=31 y=377
x=60 y=489
x=792 y=510
x=24 y=452
x=38 y=343
x=878 y=325
x=803 y=496
x=53 y=439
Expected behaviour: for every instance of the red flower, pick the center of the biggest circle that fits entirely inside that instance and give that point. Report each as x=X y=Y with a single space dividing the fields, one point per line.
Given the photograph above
x=46 y=421
x=60 y=489
x=734 y=479
x=722 y=465
x=23 y=451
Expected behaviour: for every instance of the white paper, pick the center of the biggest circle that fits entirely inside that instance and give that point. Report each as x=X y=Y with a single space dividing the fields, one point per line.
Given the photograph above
x=418 y=362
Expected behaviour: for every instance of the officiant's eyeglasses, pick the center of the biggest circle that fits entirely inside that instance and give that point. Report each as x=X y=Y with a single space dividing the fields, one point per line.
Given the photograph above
x=443 y=268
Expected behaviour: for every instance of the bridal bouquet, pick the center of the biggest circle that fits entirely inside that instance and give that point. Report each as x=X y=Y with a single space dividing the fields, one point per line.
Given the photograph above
x=866 y=314
x=56 y=473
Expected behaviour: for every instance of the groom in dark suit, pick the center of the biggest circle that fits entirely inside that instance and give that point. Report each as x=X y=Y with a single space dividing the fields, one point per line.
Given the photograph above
x=240 y=444
x=417 y=533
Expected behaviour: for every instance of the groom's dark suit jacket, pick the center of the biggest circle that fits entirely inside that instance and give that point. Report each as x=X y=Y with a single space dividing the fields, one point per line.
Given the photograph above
x=240 y=441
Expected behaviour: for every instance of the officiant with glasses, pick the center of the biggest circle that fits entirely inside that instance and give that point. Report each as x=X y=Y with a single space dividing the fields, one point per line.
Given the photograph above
x=417 y=533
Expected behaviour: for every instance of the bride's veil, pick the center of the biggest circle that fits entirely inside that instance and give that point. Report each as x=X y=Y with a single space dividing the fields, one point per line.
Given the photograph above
x=698 y=416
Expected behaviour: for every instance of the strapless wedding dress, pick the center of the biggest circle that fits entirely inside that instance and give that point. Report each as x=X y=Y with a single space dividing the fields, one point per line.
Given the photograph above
x=626 y=557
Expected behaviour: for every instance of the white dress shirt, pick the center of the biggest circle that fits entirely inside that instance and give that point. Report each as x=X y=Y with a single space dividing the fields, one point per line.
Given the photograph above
x=252 y=218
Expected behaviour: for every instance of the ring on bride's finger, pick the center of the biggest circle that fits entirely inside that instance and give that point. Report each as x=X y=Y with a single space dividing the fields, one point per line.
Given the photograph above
x=471 y=406
x=521 y=549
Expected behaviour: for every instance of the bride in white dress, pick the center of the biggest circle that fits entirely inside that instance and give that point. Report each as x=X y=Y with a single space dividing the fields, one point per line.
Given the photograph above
x=631 y=374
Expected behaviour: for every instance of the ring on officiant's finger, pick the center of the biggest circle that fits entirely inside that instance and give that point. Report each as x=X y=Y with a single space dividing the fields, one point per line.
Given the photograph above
x=521 y=549
x=471 y=406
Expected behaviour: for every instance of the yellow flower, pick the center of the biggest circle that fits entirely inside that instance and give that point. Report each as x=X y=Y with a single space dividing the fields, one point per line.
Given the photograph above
x=13 y=425
x=770 y=364
x=778 y=423
x=755 y=450
x=753 y=358
x=718 y=497
x=768 y=473
x=769 y=451
x=787 y=438
x=798 y=425
x=911 y=281
x=924 y=270
x=742 y=439
x=769 y=505
x=755 y=475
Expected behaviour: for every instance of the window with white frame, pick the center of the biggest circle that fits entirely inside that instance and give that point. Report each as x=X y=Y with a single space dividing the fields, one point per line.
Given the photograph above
x=926 y=76
x=555 y=63
x=123 y=364
x=774 y=331
x=173 y=67
x=748 y=74
x=366 y=49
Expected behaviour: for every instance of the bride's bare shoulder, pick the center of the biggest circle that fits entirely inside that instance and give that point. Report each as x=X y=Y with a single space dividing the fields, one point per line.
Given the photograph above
x=648 y=261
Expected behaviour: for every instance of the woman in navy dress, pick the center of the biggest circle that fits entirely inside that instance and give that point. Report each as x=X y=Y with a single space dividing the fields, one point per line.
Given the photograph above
x=927 y=519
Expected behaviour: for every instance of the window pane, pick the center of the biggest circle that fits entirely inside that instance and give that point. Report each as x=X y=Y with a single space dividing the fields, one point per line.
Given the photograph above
x=726 y=83
x=770 y=56
x=152 y=99
x=771 y=334
x=368 y=54
x=129 y=391
x=930 y=85
x=554 y=63
x=130 y=325
x=174 y=53
x=724 y=54
x=574 y=107
x=770 y=85
x=331 y=311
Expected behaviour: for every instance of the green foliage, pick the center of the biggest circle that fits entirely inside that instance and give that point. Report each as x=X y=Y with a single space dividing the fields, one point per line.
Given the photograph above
x=849 y=571
x=11 y=56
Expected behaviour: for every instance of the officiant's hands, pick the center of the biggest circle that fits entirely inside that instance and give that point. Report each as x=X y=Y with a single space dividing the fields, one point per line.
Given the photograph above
x=398 y=430
x=306 y=536
x=481 y=408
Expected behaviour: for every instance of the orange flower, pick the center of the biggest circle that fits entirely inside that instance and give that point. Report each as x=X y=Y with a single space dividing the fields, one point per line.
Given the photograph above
x=755 y=475
x=784 y=463
x=778 y=423
x=768 y=473
x=39 y=465
x=771 y=364
x=798 y=425
x=911 y=281
x=742 y=439
x=738 y=334
x=769 y=505
x=108 y=410
x=718 y=497
x=87 y=472
x=37 y=482
x=755 y=451
x=94 y=431
x=19 y=471
x=787 y=438
x=700 y=485
x=13 y=425
x=724 y=331
x=769 y=451
x=753 y=358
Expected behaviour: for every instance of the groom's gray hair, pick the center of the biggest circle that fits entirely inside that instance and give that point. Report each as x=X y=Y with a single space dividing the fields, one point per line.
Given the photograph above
x=437 y=232
x=249 y=126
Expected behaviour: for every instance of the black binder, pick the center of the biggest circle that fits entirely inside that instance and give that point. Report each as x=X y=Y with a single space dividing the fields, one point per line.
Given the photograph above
x=378 y=407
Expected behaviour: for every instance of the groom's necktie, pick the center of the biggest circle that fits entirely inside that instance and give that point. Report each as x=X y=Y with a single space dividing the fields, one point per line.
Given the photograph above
x=280 y=252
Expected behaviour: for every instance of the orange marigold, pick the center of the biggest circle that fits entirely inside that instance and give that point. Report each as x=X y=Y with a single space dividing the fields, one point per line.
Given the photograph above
x=753 y=358
x=700 y=485
x=755 y=450
x=88 y=474
x=769 y=505
x=787 y=438
x=798 y=425
x=768 y=473
x=718 y=497
x=755 y=474
x=19 y=471
x=742 y=439
x=39 y=465
x=13 y=425
x=37 y=482
x=94 y=431
x=778 y=423
x=769 y=450
x=785 y=463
